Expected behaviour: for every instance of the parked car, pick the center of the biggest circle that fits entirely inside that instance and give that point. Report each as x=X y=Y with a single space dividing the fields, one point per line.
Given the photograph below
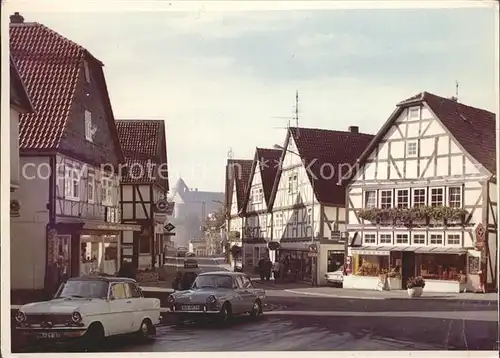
x=335 y=277
x=88 y=309
x=217 y=295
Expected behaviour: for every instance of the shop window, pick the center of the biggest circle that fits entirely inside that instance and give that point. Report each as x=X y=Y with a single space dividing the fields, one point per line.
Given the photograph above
x=437 y=197
x=453 y=239
x=455 y=197
x=436 y=239
x=402 y=239
x=419 y=197
x=370 y=238
x=385 y=239
x=371 y=265
x=370 y=199
x=441 y=267
x=403 y=198
x=385 y=199
x=418 y=239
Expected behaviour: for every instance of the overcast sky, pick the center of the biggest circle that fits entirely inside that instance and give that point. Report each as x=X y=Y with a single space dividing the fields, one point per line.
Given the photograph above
x=219 y=79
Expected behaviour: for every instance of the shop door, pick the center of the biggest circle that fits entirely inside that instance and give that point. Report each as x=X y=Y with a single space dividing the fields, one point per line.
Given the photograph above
x=408 y=267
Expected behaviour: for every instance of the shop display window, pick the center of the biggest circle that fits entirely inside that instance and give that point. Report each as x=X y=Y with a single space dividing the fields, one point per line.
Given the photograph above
x=442 y=267
x=371 y=265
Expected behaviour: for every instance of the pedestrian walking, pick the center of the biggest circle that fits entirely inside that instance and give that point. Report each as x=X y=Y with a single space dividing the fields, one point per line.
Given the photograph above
x=55 y=276
x=268 y=267
x=261 y=268
x=276 y=271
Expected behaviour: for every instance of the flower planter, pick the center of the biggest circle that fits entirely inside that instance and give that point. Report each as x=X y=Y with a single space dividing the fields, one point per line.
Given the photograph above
x=395 y=283
x=415 y=291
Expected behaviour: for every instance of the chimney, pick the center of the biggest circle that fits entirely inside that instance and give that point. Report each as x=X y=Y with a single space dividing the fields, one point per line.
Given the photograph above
x=454 y=99
x=16 y=18
x=354 y=129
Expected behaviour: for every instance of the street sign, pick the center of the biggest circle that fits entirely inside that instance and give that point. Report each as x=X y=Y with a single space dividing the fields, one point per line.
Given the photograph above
x=161 y=205
x=169 y=227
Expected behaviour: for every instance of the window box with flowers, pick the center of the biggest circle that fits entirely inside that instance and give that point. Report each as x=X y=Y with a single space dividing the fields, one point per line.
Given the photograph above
x=438 y=215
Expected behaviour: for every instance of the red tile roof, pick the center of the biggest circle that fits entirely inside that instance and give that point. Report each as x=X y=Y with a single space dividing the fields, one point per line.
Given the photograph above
x=18 y=95
x=49 y=65
x=142 y=142
x=268 y=161
x=473 y=128
x=237 y=170
x=321 y=150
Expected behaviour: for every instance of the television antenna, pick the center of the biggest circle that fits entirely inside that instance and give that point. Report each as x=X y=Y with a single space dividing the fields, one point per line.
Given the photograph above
x=295 y=117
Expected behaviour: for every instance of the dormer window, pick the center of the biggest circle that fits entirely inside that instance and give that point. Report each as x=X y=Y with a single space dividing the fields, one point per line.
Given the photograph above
x=86 y=71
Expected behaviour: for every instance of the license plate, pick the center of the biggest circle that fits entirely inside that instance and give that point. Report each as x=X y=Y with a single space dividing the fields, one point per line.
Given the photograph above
x=49 y=335
x=190 y=307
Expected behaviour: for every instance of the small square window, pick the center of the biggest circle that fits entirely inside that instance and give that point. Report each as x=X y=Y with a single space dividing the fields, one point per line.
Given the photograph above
x=414 y=113
x=411 y=149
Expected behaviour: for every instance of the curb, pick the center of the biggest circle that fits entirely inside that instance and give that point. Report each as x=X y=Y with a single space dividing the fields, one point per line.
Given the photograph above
x=444 y=299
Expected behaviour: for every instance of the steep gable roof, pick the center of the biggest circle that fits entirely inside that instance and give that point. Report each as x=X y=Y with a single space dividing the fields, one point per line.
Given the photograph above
x=18 y=95
x=473 y=128
x=50 y=65
x=322 y=148
x=143 y=141
x=237 y=171
x=268 y=161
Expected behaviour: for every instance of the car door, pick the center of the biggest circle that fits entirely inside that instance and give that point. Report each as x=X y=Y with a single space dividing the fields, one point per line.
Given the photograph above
x=249 y=295
x=121 y=315
x=138 y=305
x=241 y=295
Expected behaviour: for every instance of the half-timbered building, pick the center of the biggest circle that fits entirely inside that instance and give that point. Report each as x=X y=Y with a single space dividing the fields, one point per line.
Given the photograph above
x=308 y=204
x=69 y=156
x=237 y=178
x=422 y=202
x=258 y=216
x=144 y=184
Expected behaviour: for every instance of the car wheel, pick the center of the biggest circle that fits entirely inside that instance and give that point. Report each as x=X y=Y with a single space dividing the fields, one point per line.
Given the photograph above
x=225 y=314
x=145 y=330
x=93 y=339
x=256 y=309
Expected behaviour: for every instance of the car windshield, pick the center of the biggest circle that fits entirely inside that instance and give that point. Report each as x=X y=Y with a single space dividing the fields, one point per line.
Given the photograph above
x=83 y=289
x=213 y=281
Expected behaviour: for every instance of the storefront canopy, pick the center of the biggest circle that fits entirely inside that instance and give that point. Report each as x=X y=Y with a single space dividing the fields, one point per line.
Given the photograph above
x=385 y=250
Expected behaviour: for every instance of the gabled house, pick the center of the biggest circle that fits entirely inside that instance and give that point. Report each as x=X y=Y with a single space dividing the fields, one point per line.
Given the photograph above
x=308 y=204
x=237 y=181
x=19 y=103
x=143 y=186
x=258 y=228
x=423 y=199
x=69 y=160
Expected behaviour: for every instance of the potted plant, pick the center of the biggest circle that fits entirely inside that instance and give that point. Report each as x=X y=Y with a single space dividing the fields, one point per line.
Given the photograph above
x=415 y=286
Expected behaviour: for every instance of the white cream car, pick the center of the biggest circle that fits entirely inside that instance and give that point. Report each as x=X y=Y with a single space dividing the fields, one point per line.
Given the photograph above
x=91 y=308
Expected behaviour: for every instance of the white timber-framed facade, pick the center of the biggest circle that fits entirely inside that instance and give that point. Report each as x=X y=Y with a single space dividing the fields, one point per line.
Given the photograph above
x=237 y=181
x=258 y=218
x=308 y=206
x=423 y=200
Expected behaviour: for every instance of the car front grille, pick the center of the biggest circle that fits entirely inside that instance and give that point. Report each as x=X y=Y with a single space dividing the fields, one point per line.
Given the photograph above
x=47 y=318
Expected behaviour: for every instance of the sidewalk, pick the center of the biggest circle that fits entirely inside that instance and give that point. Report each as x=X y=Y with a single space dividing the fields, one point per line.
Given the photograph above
x=469 y=297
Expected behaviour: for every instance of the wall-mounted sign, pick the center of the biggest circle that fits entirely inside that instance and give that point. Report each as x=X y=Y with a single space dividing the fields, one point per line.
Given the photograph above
x=161 y=205
x=169 y=227
x=15 y=208
x=273 y=245
x=371 y=252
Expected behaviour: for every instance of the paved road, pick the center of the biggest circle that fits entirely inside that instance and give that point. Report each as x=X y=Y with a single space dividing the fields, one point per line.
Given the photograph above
x=299 y=322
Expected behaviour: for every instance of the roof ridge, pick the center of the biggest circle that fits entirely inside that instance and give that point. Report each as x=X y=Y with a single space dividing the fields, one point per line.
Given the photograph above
x=456 y=103
x=330 y=130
